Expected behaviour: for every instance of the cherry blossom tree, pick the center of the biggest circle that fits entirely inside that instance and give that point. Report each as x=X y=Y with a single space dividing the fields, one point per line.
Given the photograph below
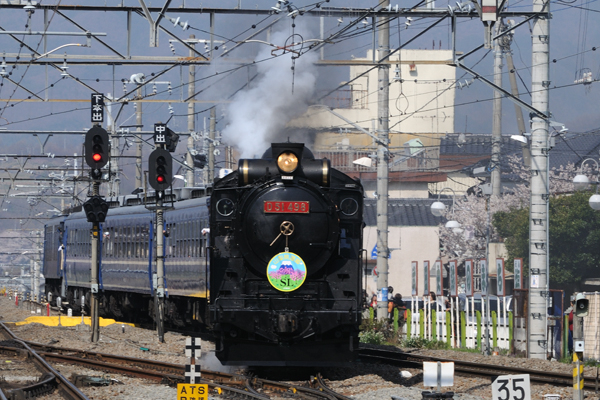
x=475 y=211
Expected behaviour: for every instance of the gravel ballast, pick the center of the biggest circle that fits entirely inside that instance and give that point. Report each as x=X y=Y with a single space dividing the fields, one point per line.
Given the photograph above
x=359 y=381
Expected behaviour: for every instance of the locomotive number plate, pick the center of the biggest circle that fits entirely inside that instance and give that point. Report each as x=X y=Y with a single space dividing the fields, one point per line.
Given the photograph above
x=298 y=207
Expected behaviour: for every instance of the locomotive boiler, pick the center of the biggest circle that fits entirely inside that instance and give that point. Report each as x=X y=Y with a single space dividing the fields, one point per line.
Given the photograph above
x=285 y=261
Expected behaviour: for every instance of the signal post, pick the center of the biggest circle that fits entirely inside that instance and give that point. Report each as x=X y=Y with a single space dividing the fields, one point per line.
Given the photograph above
x=160 y=176
x=581 y=310
x=97 y=152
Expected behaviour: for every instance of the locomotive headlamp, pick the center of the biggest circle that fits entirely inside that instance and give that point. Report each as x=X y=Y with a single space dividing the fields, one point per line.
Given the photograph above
x=287 y=162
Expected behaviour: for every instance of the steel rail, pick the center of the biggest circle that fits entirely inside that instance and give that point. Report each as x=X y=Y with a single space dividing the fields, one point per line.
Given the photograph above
x=470 y=368
x=165 y=373
x=173 y=373
x=51 y=378
x=318 y=380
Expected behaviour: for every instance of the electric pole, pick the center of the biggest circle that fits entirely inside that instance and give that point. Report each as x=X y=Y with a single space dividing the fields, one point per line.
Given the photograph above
x=211 y=145
x=497 y=120
x=138 y=141
x=189 y=158
x=383 y=114
x=114 y=148
x=538 y=221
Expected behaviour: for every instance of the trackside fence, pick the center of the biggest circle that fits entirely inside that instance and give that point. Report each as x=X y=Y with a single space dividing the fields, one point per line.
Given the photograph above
x=457 y=328
x=472 y=324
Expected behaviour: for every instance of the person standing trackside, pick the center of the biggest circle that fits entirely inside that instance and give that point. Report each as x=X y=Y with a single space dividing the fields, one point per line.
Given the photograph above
x=399 y=304
x=390 y=307
x=373 y=304
x=569 y=312
x=432 y=297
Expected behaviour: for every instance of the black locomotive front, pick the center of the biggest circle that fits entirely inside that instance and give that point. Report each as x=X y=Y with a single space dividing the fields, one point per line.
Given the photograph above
x=285 y=284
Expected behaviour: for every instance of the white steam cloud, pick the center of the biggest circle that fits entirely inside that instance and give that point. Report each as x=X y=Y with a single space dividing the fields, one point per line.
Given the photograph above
x=257 y=116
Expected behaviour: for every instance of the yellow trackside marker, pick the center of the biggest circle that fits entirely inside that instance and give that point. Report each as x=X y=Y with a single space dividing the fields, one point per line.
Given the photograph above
x=577 y=376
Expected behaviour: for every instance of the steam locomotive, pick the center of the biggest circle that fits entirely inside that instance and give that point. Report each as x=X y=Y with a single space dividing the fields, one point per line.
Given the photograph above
x=286 y=234
x=269 y=261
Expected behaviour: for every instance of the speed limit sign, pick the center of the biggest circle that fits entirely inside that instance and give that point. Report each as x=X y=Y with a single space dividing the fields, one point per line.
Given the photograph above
x=511 y=387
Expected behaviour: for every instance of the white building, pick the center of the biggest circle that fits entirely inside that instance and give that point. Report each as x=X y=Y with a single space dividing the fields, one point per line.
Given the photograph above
x=421 y=107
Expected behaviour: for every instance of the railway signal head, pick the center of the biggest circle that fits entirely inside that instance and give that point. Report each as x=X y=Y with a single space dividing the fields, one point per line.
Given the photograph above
x=95 y=209
x=96 y=149
x=160 y=168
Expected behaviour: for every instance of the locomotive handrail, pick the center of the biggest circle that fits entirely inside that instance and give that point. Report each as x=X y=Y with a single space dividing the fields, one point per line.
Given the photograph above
x=362 y=261
x=206 y=274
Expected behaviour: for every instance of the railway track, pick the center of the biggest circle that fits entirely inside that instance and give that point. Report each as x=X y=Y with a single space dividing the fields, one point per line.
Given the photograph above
x=410 y=360
x=234 y=385
x=243 y=386
x=171 y=374
x=49 y=379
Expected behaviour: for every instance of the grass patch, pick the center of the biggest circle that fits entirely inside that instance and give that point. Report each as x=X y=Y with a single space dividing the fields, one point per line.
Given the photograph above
x=421 y=343
x=372 y=337
x=467 y=350
x=373 y=331
x=590 y=362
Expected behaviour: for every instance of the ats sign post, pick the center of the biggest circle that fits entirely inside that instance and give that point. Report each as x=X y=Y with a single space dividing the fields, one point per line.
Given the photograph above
x=187 y=391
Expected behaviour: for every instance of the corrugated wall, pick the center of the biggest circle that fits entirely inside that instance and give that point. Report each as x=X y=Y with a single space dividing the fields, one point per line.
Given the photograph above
x=591 y=328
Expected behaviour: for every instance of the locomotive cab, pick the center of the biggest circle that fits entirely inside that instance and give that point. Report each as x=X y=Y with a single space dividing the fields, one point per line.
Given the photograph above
x=286 y=231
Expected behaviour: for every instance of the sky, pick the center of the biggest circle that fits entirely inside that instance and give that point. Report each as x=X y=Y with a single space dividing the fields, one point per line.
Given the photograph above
x=255 y=86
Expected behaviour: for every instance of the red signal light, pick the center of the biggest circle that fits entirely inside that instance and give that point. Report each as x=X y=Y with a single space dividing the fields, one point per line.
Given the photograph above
x=97 y=157
x=160 y=179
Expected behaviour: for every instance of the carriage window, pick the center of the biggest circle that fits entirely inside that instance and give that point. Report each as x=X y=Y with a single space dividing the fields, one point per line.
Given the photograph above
x=177 y=250
x=195 y=233
x=88 y=245
x=77 y=243
x=175 y=240
x=136 y=241
x=109 y=244
x=119 y=242
x=124 y=242
x=142 y=240
x=130 y=239
x=146 y=233
x=187 y=239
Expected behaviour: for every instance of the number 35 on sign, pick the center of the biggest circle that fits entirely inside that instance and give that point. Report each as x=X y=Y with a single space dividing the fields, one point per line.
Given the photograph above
x=511 y=387
x=190 y=391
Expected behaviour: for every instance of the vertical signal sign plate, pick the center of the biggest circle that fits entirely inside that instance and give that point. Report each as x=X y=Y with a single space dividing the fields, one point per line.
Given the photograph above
x=97 y=107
